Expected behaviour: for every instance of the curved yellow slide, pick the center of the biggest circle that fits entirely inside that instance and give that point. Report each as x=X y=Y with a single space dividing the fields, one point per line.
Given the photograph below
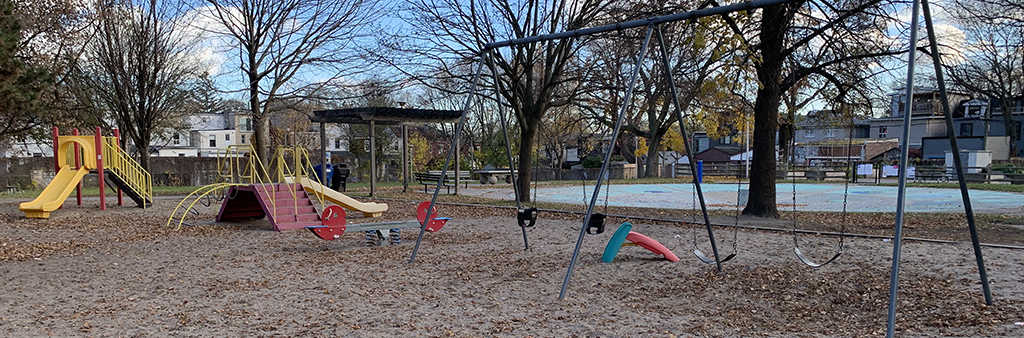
x=368 y=209
x=55 y=193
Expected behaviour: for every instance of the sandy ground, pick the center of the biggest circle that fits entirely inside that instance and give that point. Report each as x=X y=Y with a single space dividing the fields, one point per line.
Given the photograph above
x=123 y=273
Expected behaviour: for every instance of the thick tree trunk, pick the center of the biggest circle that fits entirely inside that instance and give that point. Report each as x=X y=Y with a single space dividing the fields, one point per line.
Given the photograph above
x=766 y=115
x=651 y=169
x=1010 y=124
x=526 y=160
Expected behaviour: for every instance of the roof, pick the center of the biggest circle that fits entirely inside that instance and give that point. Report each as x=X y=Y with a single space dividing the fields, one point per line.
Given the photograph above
x=384 y=115
x=729 y=150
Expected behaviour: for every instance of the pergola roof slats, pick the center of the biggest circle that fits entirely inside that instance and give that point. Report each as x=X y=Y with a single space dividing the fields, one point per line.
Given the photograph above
x=386 y=116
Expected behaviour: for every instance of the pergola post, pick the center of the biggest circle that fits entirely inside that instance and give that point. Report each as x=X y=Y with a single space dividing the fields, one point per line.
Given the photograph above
x=373 y=159
x=323 y=155
x=405 y=158
x=458 y=160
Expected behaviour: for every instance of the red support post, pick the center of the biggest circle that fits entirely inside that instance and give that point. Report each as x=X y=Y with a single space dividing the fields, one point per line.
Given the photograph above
x=78 y=165
x=120 y=194
x=99 y=167
x=56 y=161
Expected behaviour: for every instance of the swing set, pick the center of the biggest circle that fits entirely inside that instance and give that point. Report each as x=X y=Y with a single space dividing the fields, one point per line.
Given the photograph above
x=593 y=223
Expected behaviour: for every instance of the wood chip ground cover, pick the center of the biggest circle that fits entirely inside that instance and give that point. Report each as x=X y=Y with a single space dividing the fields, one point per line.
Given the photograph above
x=122 y=272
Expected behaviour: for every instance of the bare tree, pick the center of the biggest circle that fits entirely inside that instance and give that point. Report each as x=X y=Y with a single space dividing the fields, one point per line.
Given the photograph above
x=993 y=63
x=817 y=39
x=449 y=34
x=137 y=68
x=277 y=40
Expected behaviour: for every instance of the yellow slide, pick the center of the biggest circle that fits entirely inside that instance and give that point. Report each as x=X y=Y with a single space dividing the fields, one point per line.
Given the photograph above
x=368 y=209
x=54 y=194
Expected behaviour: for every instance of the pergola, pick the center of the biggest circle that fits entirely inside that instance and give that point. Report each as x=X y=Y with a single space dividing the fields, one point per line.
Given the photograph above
x=373 y=116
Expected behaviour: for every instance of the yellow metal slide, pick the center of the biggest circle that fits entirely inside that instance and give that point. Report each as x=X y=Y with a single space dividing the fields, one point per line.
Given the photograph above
x=55 y=193
x=368 y=209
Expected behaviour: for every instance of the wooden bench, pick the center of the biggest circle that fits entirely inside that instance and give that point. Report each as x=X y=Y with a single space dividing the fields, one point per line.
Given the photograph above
x=428 y=179
x=924 y=174
x=464 y=176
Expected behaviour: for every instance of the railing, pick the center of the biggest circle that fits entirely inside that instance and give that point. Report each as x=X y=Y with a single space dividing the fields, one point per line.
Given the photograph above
x=739 y=170
x=300 y=167
x=130 y=171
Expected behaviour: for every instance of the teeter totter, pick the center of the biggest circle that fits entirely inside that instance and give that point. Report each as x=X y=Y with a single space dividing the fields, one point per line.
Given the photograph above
x=624 y=234
x=334 y=226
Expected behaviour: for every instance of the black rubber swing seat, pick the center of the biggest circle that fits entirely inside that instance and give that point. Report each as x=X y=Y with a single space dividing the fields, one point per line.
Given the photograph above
x=704 y=258
x=811 y=263
x=527 y=217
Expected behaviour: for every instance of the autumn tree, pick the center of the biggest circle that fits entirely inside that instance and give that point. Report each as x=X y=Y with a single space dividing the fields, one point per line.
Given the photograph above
x=279 y=42
x=447 y=35
x=698 y=52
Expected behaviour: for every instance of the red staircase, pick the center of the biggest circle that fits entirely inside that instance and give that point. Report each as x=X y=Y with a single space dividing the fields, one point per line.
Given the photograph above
x=287 y=206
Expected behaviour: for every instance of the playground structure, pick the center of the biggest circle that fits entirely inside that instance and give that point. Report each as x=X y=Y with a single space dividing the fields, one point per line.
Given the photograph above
x=76 y=156
x=652 y=26
x=289 y=198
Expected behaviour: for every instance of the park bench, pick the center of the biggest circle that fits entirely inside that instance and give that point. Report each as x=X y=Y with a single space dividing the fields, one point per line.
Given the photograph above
x=924 y=174
x=431 y=179
x=464 y=176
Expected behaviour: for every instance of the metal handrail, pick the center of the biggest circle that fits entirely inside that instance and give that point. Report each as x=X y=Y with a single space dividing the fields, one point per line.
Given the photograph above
x=131 y=172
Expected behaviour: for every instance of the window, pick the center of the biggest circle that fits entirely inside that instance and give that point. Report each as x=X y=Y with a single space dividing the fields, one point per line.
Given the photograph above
x=966 y=129
x=181 y=155
x=213 y=140
x=227 y=137
x=830 y=133
x=337 y=143
x=243 y=138
x=883 y=131
x=727 y=140
x=808 y=133
x=247 y=122
x=176 y=140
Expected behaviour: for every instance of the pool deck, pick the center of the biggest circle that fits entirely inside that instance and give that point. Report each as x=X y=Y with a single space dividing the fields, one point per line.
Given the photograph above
x=809 y=197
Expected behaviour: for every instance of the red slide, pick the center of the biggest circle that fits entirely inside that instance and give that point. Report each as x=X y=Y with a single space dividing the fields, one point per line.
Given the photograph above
x=652 y=245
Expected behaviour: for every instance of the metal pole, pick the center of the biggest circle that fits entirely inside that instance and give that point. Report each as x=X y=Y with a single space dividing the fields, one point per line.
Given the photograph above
x=405 y=158
x=508 y=144
x=78 y=166
x=99 y=167
x=373 y=159
x=746 y=6
x=607 y=159
x=689 y=151
x=323 y=156
x=947 y=112
x=448 y=160
x=120 y=193
x=894 y=275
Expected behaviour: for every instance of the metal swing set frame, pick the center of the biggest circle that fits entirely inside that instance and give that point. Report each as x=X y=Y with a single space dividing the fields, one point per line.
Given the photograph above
x=528 y=216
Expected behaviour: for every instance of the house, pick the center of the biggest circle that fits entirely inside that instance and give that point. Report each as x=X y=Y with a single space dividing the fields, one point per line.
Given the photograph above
x=718 y=154
x=819 y=125
x=928 y=136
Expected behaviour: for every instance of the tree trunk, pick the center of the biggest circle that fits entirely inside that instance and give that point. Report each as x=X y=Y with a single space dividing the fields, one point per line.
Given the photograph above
x=526 y=159
x=787 y=133
x=652 y=156
x=761 y=202
x=144 y=153
x=1010 y=125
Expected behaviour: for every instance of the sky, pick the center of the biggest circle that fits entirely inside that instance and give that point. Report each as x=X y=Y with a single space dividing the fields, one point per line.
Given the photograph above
x=220 y=59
